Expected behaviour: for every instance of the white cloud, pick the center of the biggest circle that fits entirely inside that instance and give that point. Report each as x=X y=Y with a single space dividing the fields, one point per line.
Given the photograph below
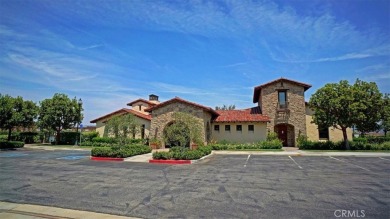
x=177 y=89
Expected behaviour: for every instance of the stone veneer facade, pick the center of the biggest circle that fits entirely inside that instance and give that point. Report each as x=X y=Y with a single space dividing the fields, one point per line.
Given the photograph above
x=294 y=117
x=163 y=116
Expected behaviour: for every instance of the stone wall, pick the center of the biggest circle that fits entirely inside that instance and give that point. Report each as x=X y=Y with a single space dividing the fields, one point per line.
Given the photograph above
x=164 y=115
x=295 y=116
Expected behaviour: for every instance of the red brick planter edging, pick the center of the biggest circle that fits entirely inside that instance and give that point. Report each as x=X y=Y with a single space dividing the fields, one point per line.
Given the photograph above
x=107 y=158
x=170 y=161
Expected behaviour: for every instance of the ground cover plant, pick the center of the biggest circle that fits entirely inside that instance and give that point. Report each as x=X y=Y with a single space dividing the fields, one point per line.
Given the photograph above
x=272 y=142
x=182 y=153
x=120 y=151
x=108 y=142
x=369 y=143
x=11 y=144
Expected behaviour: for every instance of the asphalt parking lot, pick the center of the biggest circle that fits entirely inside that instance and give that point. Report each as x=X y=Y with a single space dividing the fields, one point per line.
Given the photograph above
x=222 y=186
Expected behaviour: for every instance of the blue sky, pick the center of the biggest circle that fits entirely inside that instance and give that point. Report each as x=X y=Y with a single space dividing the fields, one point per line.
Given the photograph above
x=211 y=52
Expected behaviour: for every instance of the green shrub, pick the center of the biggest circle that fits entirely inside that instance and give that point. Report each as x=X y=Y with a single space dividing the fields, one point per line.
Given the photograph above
x=120 y=151
x=181 y=153
x=163 y=155
x=218 y=147
x=105 y=140
x=3 y=137
x=69 y=138
x=137 y=141
x=224 y=142
x=88 y=136
x=378 y=140
x=272 y=136
x=271 y=144
x=321 y=145
x=179 y=149
x=11 y=144
x=205 y=150
x=96 y=144
x=302 y=139
x=360 y=139
x=354 y=145
x=102 y=152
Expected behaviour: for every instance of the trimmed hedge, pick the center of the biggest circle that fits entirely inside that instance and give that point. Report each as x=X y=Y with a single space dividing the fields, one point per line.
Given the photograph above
x=270 y=144
x=120 y=151
x=354 y=145
x=88 y=136
x=11 y=144
x=26 y=137
x=181 y=153
x=105 y=140
x=96 y=144
x=111 y=142
x=373 y=140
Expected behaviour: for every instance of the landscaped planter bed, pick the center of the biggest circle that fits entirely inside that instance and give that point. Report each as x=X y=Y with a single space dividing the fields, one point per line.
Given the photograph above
x=118 y=153
x=107 y=158
x=171 y=161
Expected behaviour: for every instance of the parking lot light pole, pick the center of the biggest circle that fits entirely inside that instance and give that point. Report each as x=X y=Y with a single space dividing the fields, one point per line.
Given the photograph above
x=80 y=102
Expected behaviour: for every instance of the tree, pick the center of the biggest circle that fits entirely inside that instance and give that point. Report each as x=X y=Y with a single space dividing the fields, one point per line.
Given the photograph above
x=59 y=113
x=385 y=114
x=121 y=126
x=367 y=106
x=224 y=107
x=192 y=125
x=177 y=134
x=342 y=106
x=15 y=112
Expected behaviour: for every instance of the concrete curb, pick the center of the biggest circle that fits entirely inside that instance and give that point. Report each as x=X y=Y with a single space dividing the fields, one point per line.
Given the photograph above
x=202 y=158
x=305 y=153
x=52 y=148
x=180 y=161
x=14 y=210
x=170 y=161
x=107 y=159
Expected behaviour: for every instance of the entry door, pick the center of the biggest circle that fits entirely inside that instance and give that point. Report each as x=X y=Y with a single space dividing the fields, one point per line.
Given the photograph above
x=282 y=134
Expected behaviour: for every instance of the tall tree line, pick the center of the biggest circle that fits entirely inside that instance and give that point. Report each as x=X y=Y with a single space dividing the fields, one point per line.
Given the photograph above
x=53 y=114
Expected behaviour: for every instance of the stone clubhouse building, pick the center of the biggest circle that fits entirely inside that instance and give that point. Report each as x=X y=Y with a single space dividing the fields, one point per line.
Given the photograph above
x=281 y=108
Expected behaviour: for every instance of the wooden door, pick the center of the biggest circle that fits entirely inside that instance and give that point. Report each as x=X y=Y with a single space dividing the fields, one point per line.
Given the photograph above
x=282 y=134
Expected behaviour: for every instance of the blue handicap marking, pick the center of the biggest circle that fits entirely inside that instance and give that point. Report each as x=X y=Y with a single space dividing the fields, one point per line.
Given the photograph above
x=72 y=157
x=12 y=155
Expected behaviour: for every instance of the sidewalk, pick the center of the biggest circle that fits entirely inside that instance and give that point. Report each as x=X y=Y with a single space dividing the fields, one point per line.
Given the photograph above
x=26 y=211
x=143 y=158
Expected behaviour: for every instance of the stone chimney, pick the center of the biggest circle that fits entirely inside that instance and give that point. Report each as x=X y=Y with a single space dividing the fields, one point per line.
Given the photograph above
x=153 y=98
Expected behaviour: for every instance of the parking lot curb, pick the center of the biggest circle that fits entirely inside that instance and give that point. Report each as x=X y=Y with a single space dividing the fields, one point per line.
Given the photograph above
x=180 y=161
x=107 y=159
x=170 y=161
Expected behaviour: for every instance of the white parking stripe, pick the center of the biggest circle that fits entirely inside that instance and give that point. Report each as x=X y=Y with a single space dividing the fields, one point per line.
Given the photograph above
x=350 y=163
x=383 y=158
x=295 y=162
x=246 y=162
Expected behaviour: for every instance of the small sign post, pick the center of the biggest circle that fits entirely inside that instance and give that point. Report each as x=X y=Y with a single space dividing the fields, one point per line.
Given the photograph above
x=81 y=127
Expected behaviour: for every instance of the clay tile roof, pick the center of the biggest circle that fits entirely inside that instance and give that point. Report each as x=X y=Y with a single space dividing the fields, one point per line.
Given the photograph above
x=246 y=115
x=177 y=99
x=256 y=93
x=142 y=100
x=123 y=111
